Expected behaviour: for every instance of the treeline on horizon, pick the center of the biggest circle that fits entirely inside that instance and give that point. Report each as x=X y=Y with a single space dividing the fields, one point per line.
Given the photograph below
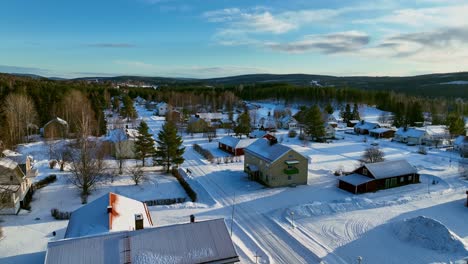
x=56 y=99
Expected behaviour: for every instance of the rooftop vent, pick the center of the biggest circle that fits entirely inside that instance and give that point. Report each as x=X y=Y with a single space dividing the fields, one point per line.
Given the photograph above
x=138 y=221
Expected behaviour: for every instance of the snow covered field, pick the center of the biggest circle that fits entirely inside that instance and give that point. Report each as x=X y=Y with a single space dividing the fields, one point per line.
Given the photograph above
x=328 y=224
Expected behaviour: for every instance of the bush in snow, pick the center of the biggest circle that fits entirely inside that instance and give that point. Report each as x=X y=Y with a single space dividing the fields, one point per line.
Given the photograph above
x=188 y=189
x=52 y=163
x=59 y=215
x=292 y=133
x=204 y=152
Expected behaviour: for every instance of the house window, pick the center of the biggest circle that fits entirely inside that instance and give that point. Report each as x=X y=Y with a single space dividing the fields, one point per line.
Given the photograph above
x=410 y=178
x=290 y=166
x=364 y=171
x=289 y=177
x=11 y=177
x=402 y=179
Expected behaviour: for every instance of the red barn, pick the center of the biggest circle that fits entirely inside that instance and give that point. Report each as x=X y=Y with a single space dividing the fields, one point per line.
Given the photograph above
x=234 y=145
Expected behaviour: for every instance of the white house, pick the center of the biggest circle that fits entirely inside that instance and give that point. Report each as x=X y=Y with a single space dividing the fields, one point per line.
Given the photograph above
x=329 y=131
x=288 y=122
x=410 y=135
x=428 y=135
x=162 y=108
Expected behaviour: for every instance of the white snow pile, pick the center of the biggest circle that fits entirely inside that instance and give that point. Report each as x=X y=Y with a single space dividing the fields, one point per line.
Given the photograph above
x=429 y=233
x=341 y=206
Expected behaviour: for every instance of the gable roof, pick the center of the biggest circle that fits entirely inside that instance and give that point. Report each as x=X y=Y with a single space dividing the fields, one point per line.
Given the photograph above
x=356 y=179
x=93 y=218
x=366 y=125
x=58 y=120
x=236 y=143
x=8 y=163
x=263 y=150
x=257 y=133
x=410 y=132
x=199 y=242
x=388 y=169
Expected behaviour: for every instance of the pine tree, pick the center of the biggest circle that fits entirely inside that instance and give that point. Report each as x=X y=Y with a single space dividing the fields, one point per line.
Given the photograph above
x=128 y=110
x=329 y=109
x=456 y=124
x=346 y=114
x=355 y=113
x=399 y=117
x=144 y=143
x=243 y=124
x=169 y=150
x=414 y=115
x=314 y=124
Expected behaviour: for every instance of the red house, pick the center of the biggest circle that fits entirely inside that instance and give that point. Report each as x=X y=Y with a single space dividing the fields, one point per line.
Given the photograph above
x=377 y=176
x=234 y=145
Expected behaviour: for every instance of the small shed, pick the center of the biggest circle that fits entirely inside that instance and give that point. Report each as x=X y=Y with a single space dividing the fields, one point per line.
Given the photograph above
x=364 y=127
x=55 y=128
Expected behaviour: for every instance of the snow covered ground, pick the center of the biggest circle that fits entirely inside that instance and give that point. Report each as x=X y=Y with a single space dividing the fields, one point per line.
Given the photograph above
x=328 y=224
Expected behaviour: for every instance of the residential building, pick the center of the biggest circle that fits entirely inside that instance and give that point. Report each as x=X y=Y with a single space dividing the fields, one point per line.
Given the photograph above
x=275 y=164
x=234 y=145
x=382 y=132
x=329 y=131
x=162 y=108
x=428 y=135
x=372 y=177
x=109 y=213
x=15 y=187
x=288 y=122
x=196 y=242
x=364 y=127
x=122 y=142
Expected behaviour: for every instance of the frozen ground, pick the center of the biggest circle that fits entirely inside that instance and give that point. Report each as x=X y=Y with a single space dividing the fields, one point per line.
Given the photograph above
x=330 y=225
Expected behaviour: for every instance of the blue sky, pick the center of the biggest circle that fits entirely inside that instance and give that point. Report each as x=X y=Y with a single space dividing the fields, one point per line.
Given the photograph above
x=212 y=38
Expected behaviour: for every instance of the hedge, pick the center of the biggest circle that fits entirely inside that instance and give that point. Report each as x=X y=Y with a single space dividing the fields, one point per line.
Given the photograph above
x=59 y=215
x=46 y=181
x=164 y=201
x=204 y=152
x=190 y=192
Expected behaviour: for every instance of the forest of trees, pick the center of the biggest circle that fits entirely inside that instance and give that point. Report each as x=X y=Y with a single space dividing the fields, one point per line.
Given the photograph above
x=29 y=103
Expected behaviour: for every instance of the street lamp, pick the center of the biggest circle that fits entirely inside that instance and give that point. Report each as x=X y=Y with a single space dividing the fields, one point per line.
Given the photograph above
x=292 y=219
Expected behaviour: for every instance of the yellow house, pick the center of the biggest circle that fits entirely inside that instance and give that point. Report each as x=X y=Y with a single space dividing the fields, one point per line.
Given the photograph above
x=275 y=164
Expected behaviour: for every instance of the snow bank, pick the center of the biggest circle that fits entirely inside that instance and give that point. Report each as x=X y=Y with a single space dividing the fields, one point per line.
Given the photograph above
x=429 y=233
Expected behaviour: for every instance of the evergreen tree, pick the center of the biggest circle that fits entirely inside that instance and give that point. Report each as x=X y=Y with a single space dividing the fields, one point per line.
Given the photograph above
x=399 y=117
x=347 y=115
x=128 y=111
x=414 y=115
x=355 y=113
x=314 y=124
x=329 y=109
x=169 y=150
x=243 y=125
x=144 y=143
x=456 y=124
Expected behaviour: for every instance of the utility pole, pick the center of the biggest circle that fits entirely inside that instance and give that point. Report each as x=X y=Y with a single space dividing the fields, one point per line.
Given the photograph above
x=232 y=214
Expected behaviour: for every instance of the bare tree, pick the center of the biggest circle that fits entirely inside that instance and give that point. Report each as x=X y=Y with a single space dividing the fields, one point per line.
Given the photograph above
x=137 y=174
x=373 y=155
x=87 y=167
x=20 y=115
x=119 y=139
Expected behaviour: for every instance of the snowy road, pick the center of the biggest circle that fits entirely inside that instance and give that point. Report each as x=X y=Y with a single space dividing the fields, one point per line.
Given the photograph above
x=279 y=246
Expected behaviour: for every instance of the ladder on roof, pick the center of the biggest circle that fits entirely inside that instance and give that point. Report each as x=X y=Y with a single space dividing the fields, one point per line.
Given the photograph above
x=127 y=250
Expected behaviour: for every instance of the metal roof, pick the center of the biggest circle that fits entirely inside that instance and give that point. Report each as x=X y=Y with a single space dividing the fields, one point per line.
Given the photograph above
x=236 y=142
x=263 y=150
x=199 y=242
x=93 y=218
x=388 y=169
x=356 y=179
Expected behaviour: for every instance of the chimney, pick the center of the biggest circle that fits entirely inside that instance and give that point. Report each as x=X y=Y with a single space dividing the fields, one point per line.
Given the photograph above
x=138 y=221
x=109 y=209
x=192 y=218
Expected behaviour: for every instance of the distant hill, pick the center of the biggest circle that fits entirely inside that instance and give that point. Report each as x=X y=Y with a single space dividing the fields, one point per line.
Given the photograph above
x=443 y=84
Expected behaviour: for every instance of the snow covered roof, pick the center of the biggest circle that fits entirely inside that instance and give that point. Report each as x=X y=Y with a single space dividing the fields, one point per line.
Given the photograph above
x=8 y=163
x=93 y=218
x=410 y=132
x=380 y=130
x=366 y=125
x=57 y=119
x=263 y=150
x=257 y=133
x=356 y=179
x=199 y=242
x=11 y=153
x=210 y=116
x=436 y=130
x=236 y=142
x=388 y=169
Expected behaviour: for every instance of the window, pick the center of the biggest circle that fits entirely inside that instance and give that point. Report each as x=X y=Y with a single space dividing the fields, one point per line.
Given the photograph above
x=11 y=177
x=410 y=178
x=364 y=171
x=402 y=179
x=289 y=177
x=290 y=166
